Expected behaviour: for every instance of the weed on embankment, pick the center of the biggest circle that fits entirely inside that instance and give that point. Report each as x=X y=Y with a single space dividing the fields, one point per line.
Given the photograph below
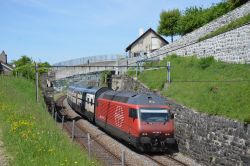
x=29 y=133
x=209 y=86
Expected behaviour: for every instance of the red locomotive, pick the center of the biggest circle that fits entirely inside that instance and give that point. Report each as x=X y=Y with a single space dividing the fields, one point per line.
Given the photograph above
x=142 y=120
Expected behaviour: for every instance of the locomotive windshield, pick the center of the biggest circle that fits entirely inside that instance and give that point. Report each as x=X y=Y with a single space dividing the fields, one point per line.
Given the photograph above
x=154 y=115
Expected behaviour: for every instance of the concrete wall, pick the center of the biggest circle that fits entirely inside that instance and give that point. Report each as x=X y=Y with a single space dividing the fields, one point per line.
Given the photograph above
x=211 y=140
x=70 y=71
x=61 y=73
x=191 y=38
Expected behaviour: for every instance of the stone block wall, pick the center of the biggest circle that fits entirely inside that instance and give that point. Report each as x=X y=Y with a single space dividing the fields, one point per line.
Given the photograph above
x=124 y=82
x=190 y=40
x=211 y=140
x=232 y=46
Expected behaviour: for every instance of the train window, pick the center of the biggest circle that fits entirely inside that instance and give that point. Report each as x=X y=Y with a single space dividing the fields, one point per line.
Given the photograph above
x=154 y=115
x=91 y=101
x=133 y=113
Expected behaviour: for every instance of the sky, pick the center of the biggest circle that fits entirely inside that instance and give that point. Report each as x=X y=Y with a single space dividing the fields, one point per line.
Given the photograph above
x=58 y=30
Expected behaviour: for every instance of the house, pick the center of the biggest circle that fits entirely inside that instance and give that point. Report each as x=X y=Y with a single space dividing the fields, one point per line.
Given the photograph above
x=146 y=43
x=5 y=68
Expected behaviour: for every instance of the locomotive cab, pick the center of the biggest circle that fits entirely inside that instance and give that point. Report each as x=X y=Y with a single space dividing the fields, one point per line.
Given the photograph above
x=155 y=128
x=142 y=120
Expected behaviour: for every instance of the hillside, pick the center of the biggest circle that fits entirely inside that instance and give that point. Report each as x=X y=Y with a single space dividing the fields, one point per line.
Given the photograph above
x=205 y=85
x=29 y=133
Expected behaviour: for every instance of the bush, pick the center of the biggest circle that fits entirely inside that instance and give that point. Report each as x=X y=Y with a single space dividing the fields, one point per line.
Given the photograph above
x=247 y=120
x=131 y=72
x=206 y=62
x=104 y=77
x=232 y=4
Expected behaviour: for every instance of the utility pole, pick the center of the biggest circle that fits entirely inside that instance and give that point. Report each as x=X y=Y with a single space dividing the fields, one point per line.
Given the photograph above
x=36 y=69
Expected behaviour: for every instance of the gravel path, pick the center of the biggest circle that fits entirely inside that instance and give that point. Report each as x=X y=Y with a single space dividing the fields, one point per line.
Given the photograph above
x=4 y=159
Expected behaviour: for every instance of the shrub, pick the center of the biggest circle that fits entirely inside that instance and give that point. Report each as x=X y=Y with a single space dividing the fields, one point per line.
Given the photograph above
x=131 y=72
x=206 y=62
x=247 y=120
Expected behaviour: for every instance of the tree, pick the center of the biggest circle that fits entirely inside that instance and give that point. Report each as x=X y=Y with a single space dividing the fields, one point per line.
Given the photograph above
x=215 y=11
x=191 y=20
x=26 y=67
x=235 y=3
x=24 y=60
x=168 y=23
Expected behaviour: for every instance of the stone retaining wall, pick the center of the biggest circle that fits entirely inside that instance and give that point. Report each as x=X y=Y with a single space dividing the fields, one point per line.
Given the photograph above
x=232 y=46
x=124 y=82
x=191 y=38
x=211 y=140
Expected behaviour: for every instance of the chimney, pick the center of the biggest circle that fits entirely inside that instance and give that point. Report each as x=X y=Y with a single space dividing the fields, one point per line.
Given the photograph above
x=141 y=31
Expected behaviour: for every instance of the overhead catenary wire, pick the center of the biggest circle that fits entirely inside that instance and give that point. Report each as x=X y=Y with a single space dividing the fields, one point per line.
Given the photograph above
x=184 y=81
x=107 y=66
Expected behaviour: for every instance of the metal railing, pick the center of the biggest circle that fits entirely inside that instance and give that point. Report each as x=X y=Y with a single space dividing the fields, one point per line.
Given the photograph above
x=90 y=59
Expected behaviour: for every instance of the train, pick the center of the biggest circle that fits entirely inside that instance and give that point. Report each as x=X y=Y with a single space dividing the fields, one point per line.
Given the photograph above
x=142 y=120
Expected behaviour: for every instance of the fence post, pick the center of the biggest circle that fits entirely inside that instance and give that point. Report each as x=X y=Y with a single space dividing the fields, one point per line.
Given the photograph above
x=36 y=68
x=88 y=136
x=62 y=121
x=168 y=72
x=73 y=131
x=55 y=116
x=123 y=157
x=136 y=69
x=53 y=110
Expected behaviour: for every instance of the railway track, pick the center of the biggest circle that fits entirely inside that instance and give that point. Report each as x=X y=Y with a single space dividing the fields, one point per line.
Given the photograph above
x=163 y=160
x=99 y=150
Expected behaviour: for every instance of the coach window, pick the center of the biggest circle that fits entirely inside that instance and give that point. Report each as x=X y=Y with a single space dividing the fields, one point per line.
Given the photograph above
x=91 y=102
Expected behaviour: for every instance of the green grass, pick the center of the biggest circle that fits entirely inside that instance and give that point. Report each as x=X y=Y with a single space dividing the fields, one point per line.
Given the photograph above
x=234 y=24
x=29 y=133
x=229 y=99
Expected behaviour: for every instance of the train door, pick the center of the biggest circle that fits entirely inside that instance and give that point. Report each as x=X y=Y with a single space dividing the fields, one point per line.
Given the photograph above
x=89 y=105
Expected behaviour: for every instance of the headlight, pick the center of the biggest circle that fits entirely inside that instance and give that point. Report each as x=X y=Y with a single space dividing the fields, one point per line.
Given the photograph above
x=144 y=134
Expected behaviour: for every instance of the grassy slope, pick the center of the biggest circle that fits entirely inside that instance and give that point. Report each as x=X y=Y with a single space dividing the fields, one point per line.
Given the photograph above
x=230 y=99
x=234 y=24
x=29 y=133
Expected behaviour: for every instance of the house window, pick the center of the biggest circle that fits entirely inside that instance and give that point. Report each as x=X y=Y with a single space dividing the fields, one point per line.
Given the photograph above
x=155 y=43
